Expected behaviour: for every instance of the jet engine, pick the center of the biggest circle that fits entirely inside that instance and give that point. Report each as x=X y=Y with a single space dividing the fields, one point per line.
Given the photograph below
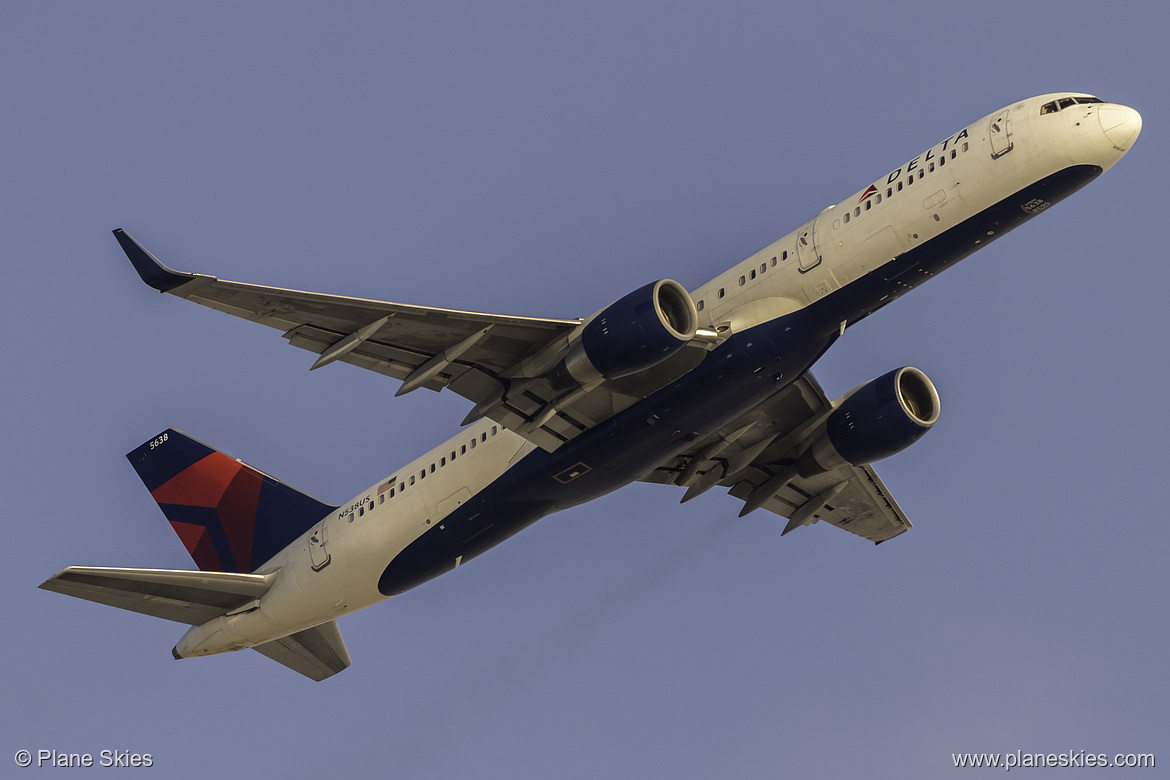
x=874 y=421
x=634 y=333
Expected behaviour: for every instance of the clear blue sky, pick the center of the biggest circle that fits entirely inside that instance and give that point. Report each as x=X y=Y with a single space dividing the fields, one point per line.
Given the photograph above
x=530 y=158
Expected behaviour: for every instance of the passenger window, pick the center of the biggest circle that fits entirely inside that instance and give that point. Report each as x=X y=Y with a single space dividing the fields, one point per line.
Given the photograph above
x=846 y=218
x=473 y=444
x=742 y=281
x=432 y=468
x=483 y=436
x=391 y=492
x=773 y=262
x=753 y=273
x=899 y=186
x=868 y=205
x=931 y=169
x=889 y=192
x=412 y=479
x=966 y=146
x=362 y=511
x=720 y=292
x=784 y=255
x=953 y=154
x=442 y=462
x=921 y=174
x=452 y=454
x=942 y=160
x=463 y=450
x=493 y=430
x=878 y=198
x=763 y=267
x=422 y=474
x=857 y=211
x=699 y=306
x=382 y=499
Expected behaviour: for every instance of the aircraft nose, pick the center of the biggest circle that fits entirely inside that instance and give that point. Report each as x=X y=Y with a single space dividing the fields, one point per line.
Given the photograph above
x=1121 y=124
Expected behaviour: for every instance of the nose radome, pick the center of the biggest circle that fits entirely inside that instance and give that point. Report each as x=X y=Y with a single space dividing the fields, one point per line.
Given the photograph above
x=1121 y=124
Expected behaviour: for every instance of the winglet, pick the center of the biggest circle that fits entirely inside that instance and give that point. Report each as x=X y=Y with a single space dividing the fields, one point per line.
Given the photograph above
x=148 y=266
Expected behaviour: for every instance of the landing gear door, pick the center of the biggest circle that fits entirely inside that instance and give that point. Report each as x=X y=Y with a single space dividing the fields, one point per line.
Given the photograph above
x=318 y=555
x=807 y=253
x=1000 y=133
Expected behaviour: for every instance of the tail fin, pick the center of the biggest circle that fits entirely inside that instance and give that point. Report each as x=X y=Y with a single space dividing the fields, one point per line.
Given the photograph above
x=229 y=516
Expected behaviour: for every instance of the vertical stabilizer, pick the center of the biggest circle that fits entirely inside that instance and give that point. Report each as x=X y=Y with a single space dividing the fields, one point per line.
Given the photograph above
x=230 y=516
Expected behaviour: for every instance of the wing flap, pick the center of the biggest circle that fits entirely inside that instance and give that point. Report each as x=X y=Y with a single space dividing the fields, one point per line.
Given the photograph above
x=191 y=597
x=754 y=449
x=855 y=500
x=317 y=652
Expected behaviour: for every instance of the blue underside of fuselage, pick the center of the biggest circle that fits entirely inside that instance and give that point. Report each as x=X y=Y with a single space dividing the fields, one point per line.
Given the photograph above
x=735 y=377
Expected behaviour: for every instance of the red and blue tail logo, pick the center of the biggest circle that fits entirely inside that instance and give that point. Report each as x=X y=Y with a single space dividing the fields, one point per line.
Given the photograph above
x=229 y=516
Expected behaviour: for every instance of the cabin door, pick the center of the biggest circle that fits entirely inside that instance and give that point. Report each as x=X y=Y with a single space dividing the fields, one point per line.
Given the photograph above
x=1000 y=133
x=806 y=247
x=318 y=555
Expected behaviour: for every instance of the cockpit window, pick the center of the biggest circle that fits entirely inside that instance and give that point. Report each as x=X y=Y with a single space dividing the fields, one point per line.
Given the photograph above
x=1057 y=105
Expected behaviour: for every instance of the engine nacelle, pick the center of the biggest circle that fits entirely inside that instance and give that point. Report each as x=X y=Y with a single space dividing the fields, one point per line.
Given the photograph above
x=634 y=333
x=874 y=421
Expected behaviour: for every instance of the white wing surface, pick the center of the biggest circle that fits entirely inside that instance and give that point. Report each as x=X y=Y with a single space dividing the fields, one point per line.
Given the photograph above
x=482 y=357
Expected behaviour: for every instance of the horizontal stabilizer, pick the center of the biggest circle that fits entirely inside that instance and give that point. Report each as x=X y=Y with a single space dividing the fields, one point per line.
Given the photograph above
x=317 y=652
x=191 y=597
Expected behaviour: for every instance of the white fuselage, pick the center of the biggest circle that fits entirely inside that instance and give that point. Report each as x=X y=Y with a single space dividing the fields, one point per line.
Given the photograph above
x=335 y=567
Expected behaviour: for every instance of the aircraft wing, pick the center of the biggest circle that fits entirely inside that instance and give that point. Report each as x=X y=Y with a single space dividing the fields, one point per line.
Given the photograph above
x=477 y=355
x=191 y=597
x=317 y=652
x=749 y=455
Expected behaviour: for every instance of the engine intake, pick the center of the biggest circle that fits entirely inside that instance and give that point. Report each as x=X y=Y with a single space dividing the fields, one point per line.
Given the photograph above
x=636 y=332
x=874 y=421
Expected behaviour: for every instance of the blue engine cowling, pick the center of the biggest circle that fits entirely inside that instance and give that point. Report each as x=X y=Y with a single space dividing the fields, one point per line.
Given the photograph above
x=634 y=333
x=878 y=419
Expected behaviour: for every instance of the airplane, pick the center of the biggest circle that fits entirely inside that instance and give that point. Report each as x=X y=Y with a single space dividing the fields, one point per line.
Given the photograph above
x=696 y=389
